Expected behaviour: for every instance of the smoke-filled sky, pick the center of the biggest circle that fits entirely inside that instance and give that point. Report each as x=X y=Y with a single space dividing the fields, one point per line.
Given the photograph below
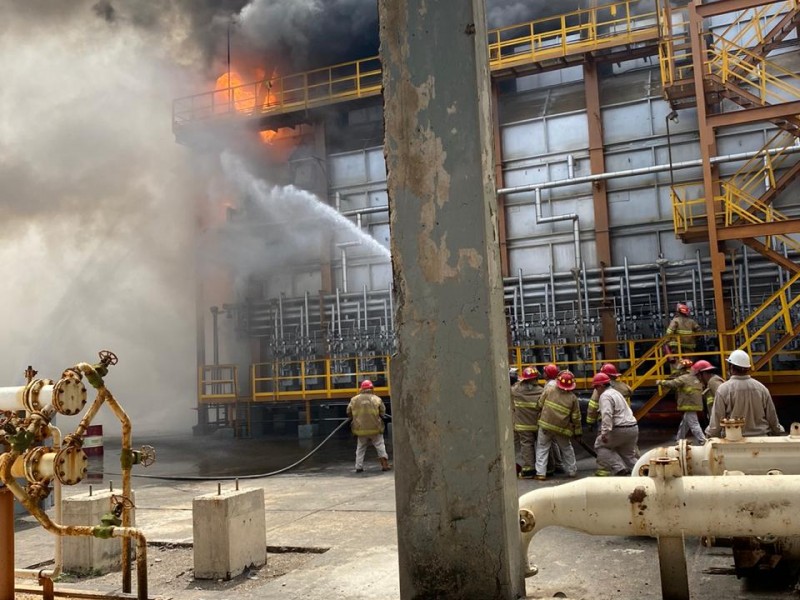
x=98 y=201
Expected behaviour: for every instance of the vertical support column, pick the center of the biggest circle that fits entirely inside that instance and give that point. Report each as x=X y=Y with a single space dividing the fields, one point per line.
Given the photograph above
x=457 y=506
x=6 y=545
x=672 y=566
x=325 y=239
x=708 y=148
x=499 y=181
x=602 y=235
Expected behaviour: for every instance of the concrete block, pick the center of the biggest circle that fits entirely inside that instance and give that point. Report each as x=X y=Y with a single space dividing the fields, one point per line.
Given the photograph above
x=230 y=533
x=306 y=432
x=86 y=554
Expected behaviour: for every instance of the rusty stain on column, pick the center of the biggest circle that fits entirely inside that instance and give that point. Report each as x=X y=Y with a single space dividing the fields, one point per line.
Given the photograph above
x=708 y=148
x=455 y=484
x=602 y=234
x=499 y=181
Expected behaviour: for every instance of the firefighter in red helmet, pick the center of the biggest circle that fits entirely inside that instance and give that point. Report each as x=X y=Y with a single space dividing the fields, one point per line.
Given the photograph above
x=526 y=394
x=619 y=433
x=559 y=422
x=366 y=411
x=683 y=331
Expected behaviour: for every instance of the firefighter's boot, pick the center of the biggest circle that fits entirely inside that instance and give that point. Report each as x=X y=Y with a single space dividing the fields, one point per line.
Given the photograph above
x=385 y=466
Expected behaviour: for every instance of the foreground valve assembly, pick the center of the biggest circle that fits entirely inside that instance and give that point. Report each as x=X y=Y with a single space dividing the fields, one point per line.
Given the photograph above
x=34 y=452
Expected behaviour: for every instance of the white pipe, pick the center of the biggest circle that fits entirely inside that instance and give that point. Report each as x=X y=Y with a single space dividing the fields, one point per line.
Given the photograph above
x=570 y=166
x=11 y=397
x=664 y=505
x=751 y=456
x=686 y=164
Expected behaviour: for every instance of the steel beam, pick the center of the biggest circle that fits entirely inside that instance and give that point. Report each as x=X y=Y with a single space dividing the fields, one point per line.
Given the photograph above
x=777 y=347
x=708 y=148
x=597 y=162
x=721 y=7
x=737 y=232
x=500 y=180
x=457 y=533
x=672 y=565
x=752 y=115
x=770 y=254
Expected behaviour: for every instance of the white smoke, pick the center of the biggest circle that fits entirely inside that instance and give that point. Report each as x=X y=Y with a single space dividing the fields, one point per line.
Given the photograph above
x=97 y=211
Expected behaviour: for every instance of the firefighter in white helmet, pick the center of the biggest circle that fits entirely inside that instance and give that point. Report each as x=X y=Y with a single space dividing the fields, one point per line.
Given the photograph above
x=525 y=396
x=559 y=422
x=745 y=398
x=689 y=398
x=366 y=411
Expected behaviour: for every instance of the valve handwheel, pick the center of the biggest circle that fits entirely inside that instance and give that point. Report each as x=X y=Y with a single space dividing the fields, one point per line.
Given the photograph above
x=108 y=357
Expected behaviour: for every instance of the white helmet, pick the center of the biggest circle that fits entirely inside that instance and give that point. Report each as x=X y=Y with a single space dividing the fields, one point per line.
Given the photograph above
x=740 y=358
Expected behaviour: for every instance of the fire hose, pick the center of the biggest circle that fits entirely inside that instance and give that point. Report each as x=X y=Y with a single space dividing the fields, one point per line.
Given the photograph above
x=251 y=476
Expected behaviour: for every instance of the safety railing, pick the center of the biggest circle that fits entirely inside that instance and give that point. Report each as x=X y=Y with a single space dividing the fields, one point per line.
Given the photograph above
x=740 y=208
x=217 y=384
x=573 y=33
x=758 y=175
x=577 y=32
x=674 y=48
x=317 y=379
x=689 y=207
x=777 y=315
x=736 y=65
x=753 y=26
x=641 y=362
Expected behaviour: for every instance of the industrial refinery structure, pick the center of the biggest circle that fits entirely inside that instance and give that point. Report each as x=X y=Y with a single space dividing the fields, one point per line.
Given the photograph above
x=645 y=155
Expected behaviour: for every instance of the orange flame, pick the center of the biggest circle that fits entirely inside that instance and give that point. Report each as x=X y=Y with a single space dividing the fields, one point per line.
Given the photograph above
x=232 y=94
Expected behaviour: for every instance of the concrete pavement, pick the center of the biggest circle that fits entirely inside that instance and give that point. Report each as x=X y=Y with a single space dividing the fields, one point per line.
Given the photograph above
x=353 y=515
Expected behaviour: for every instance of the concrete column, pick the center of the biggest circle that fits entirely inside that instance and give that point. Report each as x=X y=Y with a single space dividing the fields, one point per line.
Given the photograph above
x=85 y=554
x=230 y=533
x=456 y=490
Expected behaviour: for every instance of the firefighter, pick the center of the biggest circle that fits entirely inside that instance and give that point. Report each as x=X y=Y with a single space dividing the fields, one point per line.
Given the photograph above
x=682 y=330
x=594 y=405
x=620 y=386
x=559 y=422
x=366 y=411
x=555 y=462
x=705 y=372
x=550 y=371
x=619 y=433
x=745 y=398
x=689 y=397
x=526 y=395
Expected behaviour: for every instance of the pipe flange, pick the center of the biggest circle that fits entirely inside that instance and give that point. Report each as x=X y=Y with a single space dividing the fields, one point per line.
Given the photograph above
x=30 y=395
x=71 y=465
x=526 y=520
x=32 y=463
x=794 y=430
x=69 y=396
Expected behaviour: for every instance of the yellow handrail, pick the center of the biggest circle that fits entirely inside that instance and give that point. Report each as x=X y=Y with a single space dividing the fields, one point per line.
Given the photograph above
x=573 y=33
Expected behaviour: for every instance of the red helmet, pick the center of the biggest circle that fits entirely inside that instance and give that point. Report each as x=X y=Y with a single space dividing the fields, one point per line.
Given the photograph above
x=683 y=309
x=367 y=385
x=609 y=370
x=702 y=365
x=550 y=371
x=529 y=373
x=566 y=381
x=601 y=379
